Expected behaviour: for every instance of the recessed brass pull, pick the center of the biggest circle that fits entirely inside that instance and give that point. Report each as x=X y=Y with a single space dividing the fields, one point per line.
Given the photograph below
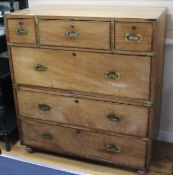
x=40 y=68
x=44 y=107
x=47 y=136
x=20 y=30
x=113 y=148
x=72 y=34
x=113 y=118
x=133 y=37
x=113 y=75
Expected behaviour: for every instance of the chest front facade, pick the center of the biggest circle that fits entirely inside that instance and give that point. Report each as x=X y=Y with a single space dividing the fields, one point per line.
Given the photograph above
x=88 y=86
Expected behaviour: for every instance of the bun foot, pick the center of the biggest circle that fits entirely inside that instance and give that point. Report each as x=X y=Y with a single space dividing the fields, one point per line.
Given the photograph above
x=29 y=150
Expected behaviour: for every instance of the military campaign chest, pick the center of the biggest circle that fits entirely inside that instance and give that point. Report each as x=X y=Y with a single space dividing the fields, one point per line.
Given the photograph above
x=88 y=80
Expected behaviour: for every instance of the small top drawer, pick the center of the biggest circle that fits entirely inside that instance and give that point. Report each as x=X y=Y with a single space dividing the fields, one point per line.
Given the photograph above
x=76 y=34
x=21 y=31
x=133 y=36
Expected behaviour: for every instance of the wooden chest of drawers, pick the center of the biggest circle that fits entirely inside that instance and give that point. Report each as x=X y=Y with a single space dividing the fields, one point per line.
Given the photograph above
x=88 y=80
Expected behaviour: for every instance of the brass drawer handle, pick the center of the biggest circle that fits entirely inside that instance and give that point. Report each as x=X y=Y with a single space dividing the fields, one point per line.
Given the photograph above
x=113 y=148
x=113 y=75
x=44 y=107
x=20 y=30
x=47 y=136
x=72 y=34
x=40 y=68
x=113 y=118
x=133 y=37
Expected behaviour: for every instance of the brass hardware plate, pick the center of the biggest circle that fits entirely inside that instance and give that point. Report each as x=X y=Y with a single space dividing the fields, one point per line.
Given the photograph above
x=112 y=20
x=113 y=118
x=44 y=107
x=113 y=148
x=146 y=139
x=40 y=68
x=148 y=103
x=113 y=49
x=47 y=136
x=10 y=44
x=36 y=20
x=72 y=34
x=113 y=42
x=113 y=75
x=150 y=54
x=37 y=31
x=133 y=37
x=20 y=30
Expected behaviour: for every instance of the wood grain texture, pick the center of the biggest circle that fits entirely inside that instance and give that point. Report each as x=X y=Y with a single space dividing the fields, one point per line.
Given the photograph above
x=28 y=25
x=119 y=52
x=79 y=74
x=72 y=141
x=162 y=163
x=93 y=11
x=85 y=95
x=83 y=112
x=11 y=65
x=143 y=29
x=92 y=34
x=157 y=66
x=83 y=72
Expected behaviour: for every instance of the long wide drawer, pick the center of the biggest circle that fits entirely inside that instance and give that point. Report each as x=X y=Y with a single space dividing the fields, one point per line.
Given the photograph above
x=118 y=75
x=124 y=150
x=72 y=33
x=127 y=119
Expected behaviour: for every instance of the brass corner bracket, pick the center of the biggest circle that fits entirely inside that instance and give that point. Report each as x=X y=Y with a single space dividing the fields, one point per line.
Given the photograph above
x=148 y=103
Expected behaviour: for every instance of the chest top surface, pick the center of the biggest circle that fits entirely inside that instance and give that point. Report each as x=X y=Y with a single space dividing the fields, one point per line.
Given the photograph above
x=93 y=11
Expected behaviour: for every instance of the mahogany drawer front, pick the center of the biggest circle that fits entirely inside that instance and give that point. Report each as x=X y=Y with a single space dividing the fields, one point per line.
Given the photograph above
x=77 y=34
x=133 y=36
x=21 y=31
x=125 y=150
x=118 y=75
x=112 y=117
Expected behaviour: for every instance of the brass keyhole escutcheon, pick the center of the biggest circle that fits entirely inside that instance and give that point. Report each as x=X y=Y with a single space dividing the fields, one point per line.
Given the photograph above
x=20 y=23
x=133 y=27
x=74 y=54
x=76 y=101
x=72 y=26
